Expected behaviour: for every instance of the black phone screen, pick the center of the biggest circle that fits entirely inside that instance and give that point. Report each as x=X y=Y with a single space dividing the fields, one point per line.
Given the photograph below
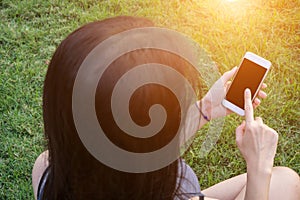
x=249 y=76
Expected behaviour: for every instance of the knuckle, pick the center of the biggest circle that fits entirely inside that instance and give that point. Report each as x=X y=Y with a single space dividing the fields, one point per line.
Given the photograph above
x=249 y=127
x=258 y=118
x=272 y=131
x=275 y=133
x=262 y=126
x=247 y=107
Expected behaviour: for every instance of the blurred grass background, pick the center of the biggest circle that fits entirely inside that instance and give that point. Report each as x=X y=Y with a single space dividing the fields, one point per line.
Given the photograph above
x=32 y=29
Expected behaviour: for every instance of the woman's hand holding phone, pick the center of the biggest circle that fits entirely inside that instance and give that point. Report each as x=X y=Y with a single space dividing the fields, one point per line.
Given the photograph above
x=257 y=142
x=252 y=71
x=212 y=102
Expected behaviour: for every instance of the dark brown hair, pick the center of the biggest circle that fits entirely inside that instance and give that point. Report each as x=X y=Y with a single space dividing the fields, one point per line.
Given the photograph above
x=74 y=172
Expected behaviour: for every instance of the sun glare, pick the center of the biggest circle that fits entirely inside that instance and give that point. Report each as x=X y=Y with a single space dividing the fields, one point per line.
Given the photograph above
x=231 y=0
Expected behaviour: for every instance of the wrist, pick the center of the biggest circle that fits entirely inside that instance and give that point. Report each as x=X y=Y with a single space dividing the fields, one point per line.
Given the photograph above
x=258 y=184
x=206 y=107
x=203 y=118
x=261 y=169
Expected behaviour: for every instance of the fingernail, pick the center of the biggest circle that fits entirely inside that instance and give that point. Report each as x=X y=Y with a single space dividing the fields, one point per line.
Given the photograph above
x=257 y=101
x=247 y=91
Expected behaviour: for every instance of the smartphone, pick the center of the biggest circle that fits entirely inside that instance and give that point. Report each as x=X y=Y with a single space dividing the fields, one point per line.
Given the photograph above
x=251 y=73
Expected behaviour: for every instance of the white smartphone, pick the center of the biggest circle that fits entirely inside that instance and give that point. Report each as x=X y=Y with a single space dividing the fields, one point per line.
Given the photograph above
x=250 y=74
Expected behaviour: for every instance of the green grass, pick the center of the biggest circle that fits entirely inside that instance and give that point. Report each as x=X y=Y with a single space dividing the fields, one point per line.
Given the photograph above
x=31 y=30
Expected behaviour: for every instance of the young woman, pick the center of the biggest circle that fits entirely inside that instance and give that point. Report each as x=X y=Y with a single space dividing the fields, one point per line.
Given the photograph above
x=67 y=170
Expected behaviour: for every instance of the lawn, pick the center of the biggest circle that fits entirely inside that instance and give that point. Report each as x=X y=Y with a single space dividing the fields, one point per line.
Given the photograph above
x=32 y=29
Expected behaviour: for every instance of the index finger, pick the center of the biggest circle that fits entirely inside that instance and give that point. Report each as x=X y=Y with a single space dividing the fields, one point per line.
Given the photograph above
x=248 y=106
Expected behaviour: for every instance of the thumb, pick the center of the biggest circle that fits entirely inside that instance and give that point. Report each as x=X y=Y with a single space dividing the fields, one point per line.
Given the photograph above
x=228 y=75
x=239 y=132
x=227 y=85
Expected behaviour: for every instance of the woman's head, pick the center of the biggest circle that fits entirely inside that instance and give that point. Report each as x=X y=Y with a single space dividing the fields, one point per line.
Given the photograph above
x=74 y=172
